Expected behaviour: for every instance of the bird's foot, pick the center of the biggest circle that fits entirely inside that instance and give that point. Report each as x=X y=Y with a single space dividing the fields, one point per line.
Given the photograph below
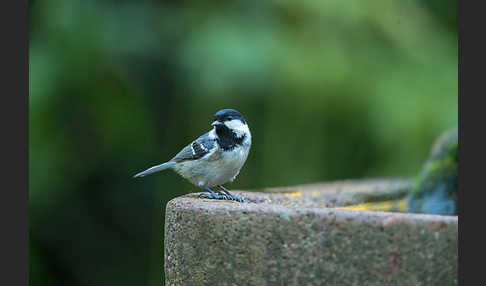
x=237 y=198
x=214 y=196
x=230 y=195
x=234 y=197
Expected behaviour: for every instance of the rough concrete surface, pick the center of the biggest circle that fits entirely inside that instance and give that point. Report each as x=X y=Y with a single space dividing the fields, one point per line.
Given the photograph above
x=297 y=238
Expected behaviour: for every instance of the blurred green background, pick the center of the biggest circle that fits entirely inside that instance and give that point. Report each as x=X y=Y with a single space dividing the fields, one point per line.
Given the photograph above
x=331 y=89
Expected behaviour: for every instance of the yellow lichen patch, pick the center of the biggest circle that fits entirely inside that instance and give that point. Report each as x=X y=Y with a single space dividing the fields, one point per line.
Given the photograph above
x=400 y=205
x=294 y=194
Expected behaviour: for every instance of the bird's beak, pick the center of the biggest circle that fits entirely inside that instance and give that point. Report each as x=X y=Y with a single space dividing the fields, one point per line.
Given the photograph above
x=216 y=123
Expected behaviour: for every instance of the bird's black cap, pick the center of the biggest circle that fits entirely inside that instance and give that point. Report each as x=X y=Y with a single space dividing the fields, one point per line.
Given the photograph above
x=228 y=114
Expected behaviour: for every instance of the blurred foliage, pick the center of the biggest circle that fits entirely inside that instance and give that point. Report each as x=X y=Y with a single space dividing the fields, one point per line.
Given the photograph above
x=331 y=90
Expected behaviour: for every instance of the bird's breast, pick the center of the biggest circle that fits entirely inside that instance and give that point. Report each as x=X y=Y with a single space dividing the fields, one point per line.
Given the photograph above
x=227 y=166
x=233 y=160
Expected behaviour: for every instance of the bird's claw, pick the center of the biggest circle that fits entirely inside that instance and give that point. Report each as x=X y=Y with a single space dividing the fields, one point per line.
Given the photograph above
x=213 y=196
x=238 y=198
x=224 y=197
x=235 y=198
x=221 y=197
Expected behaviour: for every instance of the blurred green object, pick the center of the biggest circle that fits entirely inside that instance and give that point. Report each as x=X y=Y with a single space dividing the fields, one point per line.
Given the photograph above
x=331 y=90
x=435 y=189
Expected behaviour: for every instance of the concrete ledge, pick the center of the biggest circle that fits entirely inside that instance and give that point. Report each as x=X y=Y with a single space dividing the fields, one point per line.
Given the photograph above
x=296 y=239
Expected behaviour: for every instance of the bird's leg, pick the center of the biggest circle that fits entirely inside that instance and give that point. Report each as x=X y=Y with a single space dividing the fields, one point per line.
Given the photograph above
x=211 y=195
x=230 y=195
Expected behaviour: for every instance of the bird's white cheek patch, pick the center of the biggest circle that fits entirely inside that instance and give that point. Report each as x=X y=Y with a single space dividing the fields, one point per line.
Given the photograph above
x=237 y=126
x=234 y=124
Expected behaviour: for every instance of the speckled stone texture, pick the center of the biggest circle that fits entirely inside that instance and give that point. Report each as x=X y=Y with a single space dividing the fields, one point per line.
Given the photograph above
x=297 y=238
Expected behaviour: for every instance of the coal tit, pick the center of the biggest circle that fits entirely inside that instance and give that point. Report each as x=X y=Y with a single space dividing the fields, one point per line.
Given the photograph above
x=214 y=158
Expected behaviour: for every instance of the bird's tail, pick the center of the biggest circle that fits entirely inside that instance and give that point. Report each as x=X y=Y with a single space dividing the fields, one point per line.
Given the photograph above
x=154 y=169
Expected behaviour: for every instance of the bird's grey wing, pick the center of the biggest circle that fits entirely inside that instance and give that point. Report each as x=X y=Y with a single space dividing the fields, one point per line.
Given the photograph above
x=197 y=149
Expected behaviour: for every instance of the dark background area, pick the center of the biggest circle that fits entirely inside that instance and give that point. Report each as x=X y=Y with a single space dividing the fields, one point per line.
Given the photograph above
x=331 y=89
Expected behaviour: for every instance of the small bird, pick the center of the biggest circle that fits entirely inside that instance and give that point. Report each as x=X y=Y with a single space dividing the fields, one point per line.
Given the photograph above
x=214 y=158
